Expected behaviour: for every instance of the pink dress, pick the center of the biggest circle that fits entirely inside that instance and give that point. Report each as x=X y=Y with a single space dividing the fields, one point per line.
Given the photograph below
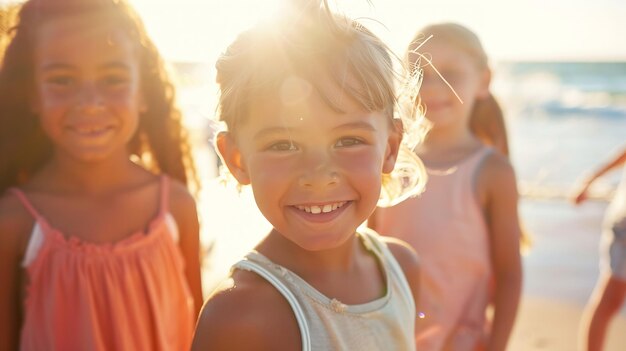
x=129 y=295
x=448 y=230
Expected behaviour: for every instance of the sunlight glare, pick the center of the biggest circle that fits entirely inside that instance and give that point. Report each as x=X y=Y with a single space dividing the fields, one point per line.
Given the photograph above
x=200 y=29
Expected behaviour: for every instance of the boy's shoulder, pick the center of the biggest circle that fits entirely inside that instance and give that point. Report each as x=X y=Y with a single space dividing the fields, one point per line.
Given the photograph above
x=247 y=312
x=401 y=250
x=406 y=257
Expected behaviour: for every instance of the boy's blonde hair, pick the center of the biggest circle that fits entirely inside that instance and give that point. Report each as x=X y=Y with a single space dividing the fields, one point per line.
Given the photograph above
x=316 y=45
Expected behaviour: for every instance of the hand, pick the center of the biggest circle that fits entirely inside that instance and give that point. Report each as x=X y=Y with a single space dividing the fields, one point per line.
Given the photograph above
x=581 y=194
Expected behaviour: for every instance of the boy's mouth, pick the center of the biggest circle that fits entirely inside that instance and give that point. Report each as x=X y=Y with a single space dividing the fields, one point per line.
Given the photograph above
x=317 y=209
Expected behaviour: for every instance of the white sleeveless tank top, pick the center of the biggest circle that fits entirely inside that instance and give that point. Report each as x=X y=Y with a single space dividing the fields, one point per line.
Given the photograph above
x=386 y=323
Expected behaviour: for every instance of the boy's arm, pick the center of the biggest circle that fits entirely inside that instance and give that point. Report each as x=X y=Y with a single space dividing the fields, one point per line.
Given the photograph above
x=183 y=208
x=580 y=194
x=247 y=313
x=498 y=179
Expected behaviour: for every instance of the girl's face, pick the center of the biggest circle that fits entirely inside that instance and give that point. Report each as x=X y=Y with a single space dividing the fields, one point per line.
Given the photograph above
x=315 y=172
x=87 y=88
x=460 y=69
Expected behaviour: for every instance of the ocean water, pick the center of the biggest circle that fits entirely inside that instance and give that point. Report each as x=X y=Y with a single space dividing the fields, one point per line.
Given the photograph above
x=563 y=119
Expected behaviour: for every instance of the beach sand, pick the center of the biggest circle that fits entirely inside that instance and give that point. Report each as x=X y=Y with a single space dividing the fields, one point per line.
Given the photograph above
x=559 y=271
x=548 y=324
x=559 y=274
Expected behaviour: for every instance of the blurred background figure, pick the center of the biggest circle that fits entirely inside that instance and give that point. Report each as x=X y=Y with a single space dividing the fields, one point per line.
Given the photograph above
x=610 y=290
x=465 y=224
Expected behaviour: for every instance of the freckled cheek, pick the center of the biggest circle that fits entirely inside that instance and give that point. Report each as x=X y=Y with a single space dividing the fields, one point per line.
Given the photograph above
x=367 y=161
x=364 y=166
x=271 y=171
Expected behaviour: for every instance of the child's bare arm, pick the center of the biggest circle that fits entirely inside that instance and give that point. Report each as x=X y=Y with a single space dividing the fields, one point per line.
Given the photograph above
x=14 y=226
x=183 y=208
x=580 y=193
x=498 y=179
x=247 y=313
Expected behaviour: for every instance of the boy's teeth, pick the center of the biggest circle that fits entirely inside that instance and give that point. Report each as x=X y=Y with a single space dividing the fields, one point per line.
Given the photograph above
x=321 y=209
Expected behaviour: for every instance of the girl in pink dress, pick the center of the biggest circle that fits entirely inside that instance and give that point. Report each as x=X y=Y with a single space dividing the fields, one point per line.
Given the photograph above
x=465 y=225
x=99 y=234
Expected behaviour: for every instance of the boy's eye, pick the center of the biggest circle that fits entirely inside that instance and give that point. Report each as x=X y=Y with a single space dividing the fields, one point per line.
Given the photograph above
x=283 y=146
x=346 y=142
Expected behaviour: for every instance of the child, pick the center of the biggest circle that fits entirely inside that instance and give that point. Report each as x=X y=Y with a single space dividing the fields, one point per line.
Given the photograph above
x=610 y=290
x=308 y=101
x=98 y=246
x=465 y=225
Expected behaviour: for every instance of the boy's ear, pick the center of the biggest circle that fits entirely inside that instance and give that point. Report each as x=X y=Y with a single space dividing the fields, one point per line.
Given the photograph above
x=485 y=81
x=393 y=146
x=231 y=156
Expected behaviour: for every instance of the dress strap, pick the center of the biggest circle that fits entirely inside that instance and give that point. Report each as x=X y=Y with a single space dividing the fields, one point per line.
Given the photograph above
x=36 y=240
x=26 y=203
x=293 y=302
x=164 y=197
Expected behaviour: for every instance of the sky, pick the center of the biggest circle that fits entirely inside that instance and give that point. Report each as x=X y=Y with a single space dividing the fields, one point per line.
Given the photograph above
x=511 y=30
x=538 y=30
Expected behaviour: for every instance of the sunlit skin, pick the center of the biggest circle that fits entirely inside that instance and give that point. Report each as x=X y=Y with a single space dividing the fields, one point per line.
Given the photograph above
x=303 y=156
x=308 y=155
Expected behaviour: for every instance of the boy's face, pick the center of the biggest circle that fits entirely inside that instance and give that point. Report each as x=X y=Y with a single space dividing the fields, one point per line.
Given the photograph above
x=315 y=172
x=87 y=87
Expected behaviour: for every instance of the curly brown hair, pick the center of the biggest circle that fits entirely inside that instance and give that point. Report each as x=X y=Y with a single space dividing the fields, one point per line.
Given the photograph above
x=161 y=141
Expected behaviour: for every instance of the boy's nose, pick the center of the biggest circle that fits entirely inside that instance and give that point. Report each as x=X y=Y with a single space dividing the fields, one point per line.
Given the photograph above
x=318 y=171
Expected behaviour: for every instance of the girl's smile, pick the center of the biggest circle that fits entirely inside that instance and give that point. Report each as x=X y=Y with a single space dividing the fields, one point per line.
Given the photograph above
x=88 y=95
